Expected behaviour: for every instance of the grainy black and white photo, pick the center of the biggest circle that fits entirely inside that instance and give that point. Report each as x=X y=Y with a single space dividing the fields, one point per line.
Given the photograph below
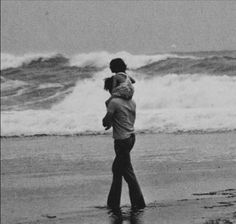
x=118 y=112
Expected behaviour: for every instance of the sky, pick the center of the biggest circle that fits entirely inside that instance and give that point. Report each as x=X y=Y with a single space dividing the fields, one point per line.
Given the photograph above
x=139 y=27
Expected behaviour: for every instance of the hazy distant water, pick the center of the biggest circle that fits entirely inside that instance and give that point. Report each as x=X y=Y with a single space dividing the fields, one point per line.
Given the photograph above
x=58 y=95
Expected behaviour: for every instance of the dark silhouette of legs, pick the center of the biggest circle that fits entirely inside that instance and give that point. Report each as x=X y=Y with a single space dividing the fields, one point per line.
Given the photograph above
x=114 y=196
x=122 y=167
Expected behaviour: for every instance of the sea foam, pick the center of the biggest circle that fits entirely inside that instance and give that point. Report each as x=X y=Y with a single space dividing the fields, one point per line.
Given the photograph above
x=13 y=61
x=169 y=103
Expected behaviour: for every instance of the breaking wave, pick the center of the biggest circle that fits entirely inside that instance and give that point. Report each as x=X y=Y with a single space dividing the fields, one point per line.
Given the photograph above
x=53 y=94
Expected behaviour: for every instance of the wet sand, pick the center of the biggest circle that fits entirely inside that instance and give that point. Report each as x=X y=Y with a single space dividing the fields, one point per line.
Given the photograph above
x=185 y=178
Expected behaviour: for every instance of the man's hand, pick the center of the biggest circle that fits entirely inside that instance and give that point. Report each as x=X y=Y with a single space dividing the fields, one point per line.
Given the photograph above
x=107 y=128
x=107 y=121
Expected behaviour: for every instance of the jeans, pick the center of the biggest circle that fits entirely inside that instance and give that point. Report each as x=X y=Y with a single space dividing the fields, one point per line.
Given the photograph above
x=122 y=167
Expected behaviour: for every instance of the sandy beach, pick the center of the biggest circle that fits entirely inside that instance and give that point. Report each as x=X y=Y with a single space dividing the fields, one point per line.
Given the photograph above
x=185 y=178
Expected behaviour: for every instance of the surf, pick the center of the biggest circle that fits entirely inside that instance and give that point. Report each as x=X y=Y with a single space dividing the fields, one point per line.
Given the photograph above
x=61 y=95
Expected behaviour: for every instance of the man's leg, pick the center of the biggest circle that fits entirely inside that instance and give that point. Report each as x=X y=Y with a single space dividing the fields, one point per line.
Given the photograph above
x=136 y=196
x=135 y=193
x=114 y=196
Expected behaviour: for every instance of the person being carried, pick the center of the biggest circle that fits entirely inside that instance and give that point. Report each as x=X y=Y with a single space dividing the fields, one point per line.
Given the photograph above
x=121 y=83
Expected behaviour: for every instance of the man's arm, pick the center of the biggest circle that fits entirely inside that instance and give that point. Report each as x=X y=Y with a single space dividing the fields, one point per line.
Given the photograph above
x=107 y=120
x=111 y=109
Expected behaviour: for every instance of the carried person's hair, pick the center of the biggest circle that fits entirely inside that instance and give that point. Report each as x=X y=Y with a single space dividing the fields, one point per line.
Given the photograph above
x=108 y=83
x=117 y=65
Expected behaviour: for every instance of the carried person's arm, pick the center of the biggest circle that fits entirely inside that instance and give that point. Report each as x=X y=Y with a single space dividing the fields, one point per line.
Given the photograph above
x=115 y=81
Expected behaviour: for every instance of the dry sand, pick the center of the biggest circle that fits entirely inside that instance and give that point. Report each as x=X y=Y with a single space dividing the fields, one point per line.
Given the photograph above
x=187 y=178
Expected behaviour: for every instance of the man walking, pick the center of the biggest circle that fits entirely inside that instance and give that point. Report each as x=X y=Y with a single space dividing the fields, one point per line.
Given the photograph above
x=121 y=116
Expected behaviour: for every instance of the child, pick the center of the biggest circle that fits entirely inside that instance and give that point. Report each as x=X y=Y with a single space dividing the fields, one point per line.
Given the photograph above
x=121 y=85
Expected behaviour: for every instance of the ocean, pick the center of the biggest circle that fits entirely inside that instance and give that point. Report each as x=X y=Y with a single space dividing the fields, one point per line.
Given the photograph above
x=55 y=94
x=64 y=175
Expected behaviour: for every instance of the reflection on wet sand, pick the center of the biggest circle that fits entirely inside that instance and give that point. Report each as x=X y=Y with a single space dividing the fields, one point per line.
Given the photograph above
x=132 y=216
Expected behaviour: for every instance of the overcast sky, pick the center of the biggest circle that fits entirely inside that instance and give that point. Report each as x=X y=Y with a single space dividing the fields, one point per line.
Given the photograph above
x=135 y=26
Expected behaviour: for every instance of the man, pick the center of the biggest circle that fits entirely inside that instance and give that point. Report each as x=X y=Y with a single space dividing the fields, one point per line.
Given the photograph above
x=121 y=116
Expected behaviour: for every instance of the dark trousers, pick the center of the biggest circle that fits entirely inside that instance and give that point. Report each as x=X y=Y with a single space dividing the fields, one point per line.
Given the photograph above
x=122 y=167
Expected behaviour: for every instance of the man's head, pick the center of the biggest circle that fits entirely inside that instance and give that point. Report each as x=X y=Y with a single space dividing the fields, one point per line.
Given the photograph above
x=117 y=65
x=108 y=82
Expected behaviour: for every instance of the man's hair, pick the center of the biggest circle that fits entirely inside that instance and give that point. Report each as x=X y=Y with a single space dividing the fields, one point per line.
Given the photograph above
x=108 y=83
x=117 y=65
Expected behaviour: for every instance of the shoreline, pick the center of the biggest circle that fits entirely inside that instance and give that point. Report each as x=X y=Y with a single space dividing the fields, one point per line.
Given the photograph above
x=140 y=132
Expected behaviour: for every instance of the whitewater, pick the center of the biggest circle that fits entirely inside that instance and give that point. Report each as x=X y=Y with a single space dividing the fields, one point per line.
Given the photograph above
x=54 y=94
